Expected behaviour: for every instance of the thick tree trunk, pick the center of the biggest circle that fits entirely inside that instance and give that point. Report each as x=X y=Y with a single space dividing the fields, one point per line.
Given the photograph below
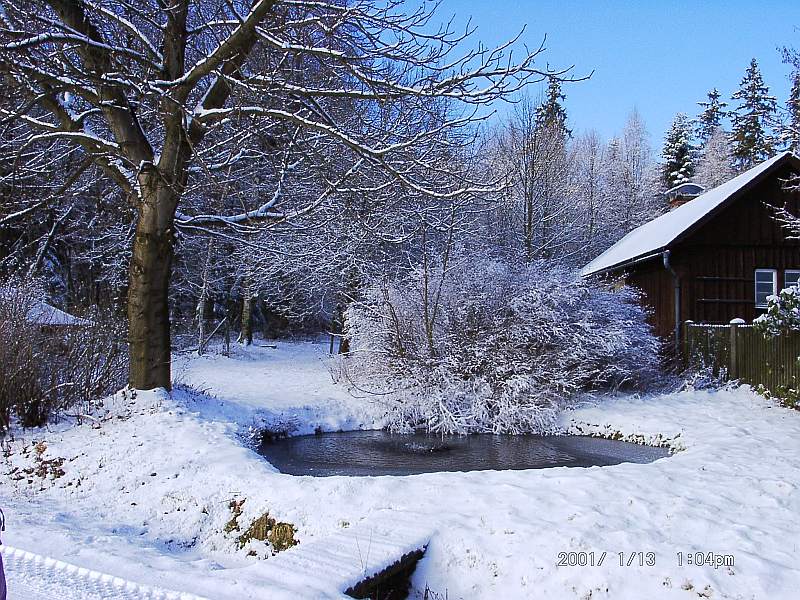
x=148 y=294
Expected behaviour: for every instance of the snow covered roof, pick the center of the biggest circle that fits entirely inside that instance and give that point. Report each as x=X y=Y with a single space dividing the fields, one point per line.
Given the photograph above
x=42 y=313
x=654 y=237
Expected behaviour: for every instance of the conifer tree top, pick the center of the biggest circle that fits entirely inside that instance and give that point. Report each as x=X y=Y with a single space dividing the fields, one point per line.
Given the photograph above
x=752 y=136
x=711 y=117
x=678 y=153
x=551 y=112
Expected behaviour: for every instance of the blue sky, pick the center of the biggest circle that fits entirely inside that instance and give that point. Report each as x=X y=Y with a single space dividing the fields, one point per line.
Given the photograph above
x=659 y=56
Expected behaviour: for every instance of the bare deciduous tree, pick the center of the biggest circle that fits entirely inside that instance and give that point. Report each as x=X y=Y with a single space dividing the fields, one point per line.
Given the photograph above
x=172 y=99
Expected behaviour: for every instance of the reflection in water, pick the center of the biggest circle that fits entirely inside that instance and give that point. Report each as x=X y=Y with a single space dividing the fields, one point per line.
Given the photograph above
x=384 y=453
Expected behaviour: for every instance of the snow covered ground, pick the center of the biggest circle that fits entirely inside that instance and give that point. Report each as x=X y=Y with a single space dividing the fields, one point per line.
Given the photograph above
x=145 y=495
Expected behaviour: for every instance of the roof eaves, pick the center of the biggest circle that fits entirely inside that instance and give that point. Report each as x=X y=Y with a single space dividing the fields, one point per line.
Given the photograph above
x=626 y=263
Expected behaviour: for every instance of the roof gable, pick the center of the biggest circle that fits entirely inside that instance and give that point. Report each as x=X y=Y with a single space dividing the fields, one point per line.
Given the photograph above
x=655 y=236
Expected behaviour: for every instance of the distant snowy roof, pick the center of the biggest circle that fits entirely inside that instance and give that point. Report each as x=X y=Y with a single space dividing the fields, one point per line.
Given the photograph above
x=42 y=313
x=655 y=236
x=39 y=311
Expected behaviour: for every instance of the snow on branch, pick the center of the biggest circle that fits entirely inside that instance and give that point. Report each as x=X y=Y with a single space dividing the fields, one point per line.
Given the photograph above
x=236 y=42
x=234 y=113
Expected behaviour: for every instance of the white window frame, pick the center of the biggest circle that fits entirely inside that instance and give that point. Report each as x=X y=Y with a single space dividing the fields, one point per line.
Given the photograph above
x=793 y=272
x=774 y=274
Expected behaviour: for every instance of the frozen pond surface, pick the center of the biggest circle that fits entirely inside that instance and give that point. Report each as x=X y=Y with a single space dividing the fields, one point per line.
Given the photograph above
x=383 y=453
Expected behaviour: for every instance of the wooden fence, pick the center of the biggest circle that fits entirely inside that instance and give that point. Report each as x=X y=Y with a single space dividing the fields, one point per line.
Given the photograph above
x=739 y=351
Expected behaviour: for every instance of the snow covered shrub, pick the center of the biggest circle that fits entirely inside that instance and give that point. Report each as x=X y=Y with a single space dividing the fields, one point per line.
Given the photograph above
x=702 y=376
x=48 y=369
x=783 y=313
x=495 y=347
x=788 y=395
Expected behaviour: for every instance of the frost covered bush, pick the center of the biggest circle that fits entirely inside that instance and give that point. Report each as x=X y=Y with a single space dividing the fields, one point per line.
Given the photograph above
x=783 y=313
x=493 y=347
x=46 y=370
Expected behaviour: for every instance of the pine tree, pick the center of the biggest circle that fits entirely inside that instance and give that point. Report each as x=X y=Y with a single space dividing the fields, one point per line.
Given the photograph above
x=752 y=139
x=678 y=153
x=711 y=118
x=790 y=134
x=551 y=112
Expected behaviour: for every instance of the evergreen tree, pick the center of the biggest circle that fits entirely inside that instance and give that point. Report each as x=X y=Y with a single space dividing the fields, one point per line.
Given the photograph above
x=791 y=131
x=711 y=117
x=551 y=112
x=678 y=153
x=752 y=139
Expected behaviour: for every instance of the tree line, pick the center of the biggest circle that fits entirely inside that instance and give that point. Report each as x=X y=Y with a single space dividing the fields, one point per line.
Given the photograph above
x=704 y=151
x=199 y=167
x=132 y=128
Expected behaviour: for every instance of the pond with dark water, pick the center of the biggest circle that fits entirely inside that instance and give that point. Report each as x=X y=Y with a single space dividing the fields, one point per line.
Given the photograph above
x=383 y=453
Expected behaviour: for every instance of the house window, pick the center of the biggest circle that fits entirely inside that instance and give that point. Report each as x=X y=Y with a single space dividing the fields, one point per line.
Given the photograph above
x=791 y=278
x=766 y=285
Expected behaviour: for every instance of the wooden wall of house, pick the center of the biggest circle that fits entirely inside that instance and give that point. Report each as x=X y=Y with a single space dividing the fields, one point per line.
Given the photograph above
x=717 y=262
x=657 y=286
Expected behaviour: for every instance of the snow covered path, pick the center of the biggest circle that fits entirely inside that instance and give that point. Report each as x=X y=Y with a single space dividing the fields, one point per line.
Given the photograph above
x=146 y=496
x=289 y=386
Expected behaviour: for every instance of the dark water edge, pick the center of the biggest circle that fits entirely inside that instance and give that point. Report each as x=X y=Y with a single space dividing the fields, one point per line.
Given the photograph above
x=364 y=453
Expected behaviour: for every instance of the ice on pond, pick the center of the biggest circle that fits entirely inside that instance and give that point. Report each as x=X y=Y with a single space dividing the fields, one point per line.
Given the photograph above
x=384 y=453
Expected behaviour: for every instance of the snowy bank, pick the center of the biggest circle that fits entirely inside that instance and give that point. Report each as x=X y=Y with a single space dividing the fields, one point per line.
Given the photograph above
x=145 y=494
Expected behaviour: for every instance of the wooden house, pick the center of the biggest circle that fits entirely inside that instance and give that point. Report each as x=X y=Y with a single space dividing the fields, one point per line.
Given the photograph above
x=715 y=257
